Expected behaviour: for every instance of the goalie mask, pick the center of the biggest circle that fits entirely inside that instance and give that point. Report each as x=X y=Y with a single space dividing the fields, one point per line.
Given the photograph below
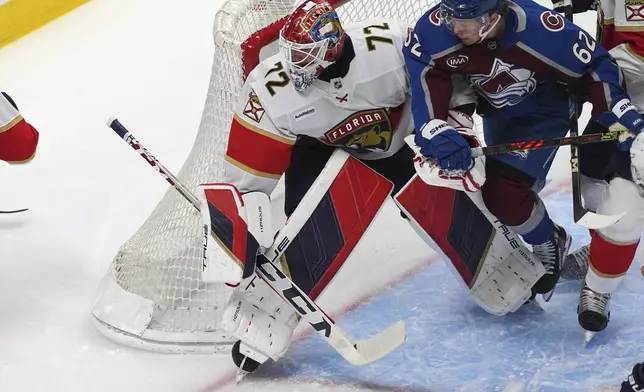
x=311 y=40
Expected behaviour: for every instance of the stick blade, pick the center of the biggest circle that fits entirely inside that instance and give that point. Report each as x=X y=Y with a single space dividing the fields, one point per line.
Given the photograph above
x=592 y=220
x=369 y=350
x=14 y=211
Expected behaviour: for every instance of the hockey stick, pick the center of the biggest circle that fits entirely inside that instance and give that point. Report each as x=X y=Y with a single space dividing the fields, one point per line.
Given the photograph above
x=355 y=352
x=2 y=164
x=582 y=216
x=14 y=211
x=546 y=143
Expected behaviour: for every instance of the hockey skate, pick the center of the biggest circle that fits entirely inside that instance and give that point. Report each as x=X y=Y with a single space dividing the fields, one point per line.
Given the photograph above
x=576 y=264
x=551 y=253
x=593 y=312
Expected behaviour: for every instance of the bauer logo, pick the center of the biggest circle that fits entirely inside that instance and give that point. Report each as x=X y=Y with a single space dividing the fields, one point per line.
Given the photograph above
x=457 y=61
x=304 y=113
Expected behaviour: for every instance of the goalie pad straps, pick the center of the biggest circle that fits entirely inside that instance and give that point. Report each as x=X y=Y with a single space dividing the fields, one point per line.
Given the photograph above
x=481 y=252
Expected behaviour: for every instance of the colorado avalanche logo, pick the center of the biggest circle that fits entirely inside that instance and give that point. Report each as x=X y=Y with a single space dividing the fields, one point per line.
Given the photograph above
x=552 y=21
x=505 y=85
x=434 y=17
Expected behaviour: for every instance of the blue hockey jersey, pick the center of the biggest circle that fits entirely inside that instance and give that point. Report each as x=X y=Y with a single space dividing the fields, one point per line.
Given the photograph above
x=538 y=47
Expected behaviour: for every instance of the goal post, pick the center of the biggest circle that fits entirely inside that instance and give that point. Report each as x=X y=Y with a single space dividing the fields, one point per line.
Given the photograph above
x=152 y=296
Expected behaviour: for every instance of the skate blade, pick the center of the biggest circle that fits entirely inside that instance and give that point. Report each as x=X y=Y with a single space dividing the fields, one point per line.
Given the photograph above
x=588 y=336
x=240 y=375
x=548 y=296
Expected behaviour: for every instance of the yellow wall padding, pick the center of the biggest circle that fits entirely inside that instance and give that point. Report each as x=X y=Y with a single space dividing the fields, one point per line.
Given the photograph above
x=20 y=17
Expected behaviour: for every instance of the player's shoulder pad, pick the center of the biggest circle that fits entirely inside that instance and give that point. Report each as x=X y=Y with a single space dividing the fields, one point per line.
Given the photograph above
x=390 y=28
x=378 y=45
x=549 y=36
x=270 y=82
x=430 y=37
x=536 y=23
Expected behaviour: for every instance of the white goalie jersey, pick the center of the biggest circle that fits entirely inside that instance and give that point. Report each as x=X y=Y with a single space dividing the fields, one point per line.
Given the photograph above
x=367 y=112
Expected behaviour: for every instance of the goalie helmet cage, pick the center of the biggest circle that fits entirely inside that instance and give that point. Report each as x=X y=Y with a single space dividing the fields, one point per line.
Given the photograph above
x=152 y=296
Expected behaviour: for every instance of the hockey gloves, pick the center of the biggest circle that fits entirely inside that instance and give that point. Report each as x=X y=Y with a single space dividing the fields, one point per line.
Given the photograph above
x=440 y=141
x=628 y=117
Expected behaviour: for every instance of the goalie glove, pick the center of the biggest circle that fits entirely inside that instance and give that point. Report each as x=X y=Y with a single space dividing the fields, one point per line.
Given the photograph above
x=463 y=180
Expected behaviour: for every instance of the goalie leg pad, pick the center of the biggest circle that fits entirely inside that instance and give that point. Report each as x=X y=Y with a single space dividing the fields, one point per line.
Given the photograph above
x=336 y=225
x=485 y=255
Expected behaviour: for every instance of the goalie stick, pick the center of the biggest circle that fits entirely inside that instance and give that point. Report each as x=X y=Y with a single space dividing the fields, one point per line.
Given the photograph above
x=359 y=352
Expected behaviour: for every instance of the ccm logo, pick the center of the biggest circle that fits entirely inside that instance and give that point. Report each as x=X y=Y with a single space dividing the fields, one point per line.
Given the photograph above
x=457 y=61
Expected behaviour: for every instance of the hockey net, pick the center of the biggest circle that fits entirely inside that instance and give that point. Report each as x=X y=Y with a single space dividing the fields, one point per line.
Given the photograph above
x=152 y=296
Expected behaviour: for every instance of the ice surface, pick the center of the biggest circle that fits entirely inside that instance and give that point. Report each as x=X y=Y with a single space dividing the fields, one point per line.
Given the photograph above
x=454 y=346
x=148 y=62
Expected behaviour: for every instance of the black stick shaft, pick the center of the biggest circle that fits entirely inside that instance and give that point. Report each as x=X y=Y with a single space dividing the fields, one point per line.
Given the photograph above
x=545 y=143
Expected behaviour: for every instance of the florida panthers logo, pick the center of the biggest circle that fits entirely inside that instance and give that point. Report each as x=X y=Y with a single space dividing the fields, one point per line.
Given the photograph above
x=366 y=130
x=505 y=85
x=375 y=138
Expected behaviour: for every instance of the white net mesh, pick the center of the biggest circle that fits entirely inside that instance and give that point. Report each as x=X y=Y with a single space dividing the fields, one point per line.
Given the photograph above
x=152 y=295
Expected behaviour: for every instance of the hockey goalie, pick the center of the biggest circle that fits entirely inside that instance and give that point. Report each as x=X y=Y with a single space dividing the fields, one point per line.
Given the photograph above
x=331 y=112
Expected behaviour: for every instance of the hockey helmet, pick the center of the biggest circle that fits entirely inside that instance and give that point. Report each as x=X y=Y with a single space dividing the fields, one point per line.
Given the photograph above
x=312 y=39
x=473 y=14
